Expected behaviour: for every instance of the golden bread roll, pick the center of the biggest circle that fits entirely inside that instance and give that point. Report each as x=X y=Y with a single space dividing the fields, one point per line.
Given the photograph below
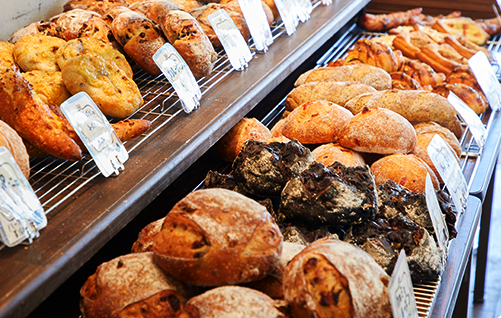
x=329 y=153
x=99 y=6
x=33 y=119
x=130 y=128
x=446 y=134
x=361 y=73
x=276 y=130
x=462 y=26
x=331 y=278
x=13 y=142
x=216 y=236
x=202 y=16
x=80 y=23
x=336 y=92
x=153 y=9
x=132 y=286
x=247 y=128
x=37 y=52
x=7 y=54
x=405 y=169
x=49 y=86
x=415 y=106
x=378 y=130
x=109 y=86
x=281 y=139
x=230 y=302
x=92 y=46
x=316 y=122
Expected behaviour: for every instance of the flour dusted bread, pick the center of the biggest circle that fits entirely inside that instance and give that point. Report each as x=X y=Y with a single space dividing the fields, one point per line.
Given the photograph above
x=331 y=278
x=362 y=73
x=247 y=128
x=329 y=153
x=378 y=130
x=231 y=302
x=317 y=121
x=13 y=142
x=37 y=52
x=446 y=134
x=99 y=6
x=215 y=236
x=144 y=242
x=80 y=23
x=132 y=286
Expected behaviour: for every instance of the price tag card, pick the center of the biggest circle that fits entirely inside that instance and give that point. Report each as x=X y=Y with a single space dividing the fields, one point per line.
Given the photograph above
x=289 y=17
x=403 y=302
x=96 y=133
x=436 y=215
x=179 y=75
x=447 y=166
x=257 y=22
x=486 y=78
x=232 y=40
x=21 y=214
x=304 y=9
x=470 y=117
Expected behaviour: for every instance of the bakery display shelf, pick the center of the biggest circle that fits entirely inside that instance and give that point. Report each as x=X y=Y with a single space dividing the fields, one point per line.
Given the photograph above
x=85 y=210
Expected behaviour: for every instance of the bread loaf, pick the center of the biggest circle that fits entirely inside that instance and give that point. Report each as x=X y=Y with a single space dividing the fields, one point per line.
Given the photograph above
x=132 y=286
x=316 y=121
x=144 y=242
x=49 y=86
x=99 y=6
x=336 y=92
x=378 y=130
x=47 y=28
x=406 y=170
x=329 y=153
x=215 y=236
x=152 y=9
x=231 y=302
x=7 y=54
x=446 y=134
x=37 y=52
x=331 y=278
x=13 y=142
x=415 y=106
x=80 y=23
x=247 y=128
x=362 y=73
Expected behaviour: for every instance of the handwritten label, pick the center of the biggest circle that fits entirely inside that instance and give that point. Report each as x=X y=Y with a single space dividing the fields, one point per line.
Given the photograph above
x=470 y=117
x=486 y=78
x=448 y=168
x=179 y=75
x=96 y=133
x=403 y=302
x=257 y=22
x=21 y=214
x=436 y=215
x=232 y=40
x=289 y=17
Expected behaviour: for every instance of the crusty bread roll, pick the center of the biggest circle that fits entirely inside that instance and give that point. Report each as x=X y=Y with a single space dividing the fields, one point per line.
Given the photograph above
x=378 y=130
x=144 y=242
x=276 y=130
x=247 y=128
x=99 y=6
x=415 y=106
x=37 y=52
x=336 y=92
x=331 y=278
x=446 y=134
x=329 y=153
x=132 y=286
x=216 y=236
x=405 y=169
x=152 y=9
x=231 y=302
x=13 y=142
x=80 y=23
x=316 y=121
x=49 y=86
x=48 y=28
x=362 y=73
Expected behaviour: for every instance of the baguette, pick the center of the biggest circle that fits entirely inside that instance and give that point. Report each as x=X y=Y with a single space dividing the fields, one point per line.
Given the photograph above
x=415 y=106
x=362 y=73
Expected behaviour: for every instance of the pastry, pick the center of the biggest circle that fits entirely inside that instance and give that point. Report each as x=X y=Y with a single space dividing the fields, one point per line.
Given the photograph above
x=383 y=22
x=462 y=26
x=376 y=54
x=37 y=52
x=400 y=80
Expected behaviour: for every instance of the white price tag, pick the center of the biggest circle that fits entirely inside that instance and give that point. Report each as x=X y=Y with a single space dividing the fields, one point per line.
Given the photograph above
x=289 y=17
x=304 y=9
x=486 y=78
x=179 y=75
x=21 y=214
x=403 y=302
x=96 y=133
x=257 y=22
x=446 y=164
x=436 y=215
x=232 y=40
x=470 y=117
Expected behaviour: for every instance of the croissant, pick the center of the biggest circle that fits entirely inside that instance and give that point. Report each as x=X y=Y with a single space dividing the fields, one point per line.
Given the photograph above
x=383 y=22
x=400 y=80
x=471 y=97
x=376 y=54
x=422 y=73
x=464 y=75
x=491 y=26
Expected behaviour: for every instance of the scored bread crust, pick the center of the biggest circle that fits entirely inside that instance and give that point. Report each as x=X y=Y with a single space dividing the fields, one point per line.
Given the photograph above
x=363 y=280
x=216 y=236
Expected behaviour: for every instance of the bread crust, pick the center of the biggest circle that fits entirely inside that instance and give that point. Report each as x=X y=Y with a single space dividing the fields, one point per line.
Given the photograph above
x=329 y=153
x=13 y=142
x=216 y=236
x=99 y=6
x=49 y=86
x=37 y=52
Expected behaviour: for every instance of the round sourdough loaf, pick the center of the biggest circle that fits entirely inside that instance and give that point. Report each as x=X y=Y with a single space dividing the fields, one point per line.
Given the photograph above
x=11 y=140
x=216 y=237
x=132 y=286
x=314 y=122
x=231 y=302
x=329 y=153
x=144 y=242
x=378 y=130
x=331 y=278
x=405 y=169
